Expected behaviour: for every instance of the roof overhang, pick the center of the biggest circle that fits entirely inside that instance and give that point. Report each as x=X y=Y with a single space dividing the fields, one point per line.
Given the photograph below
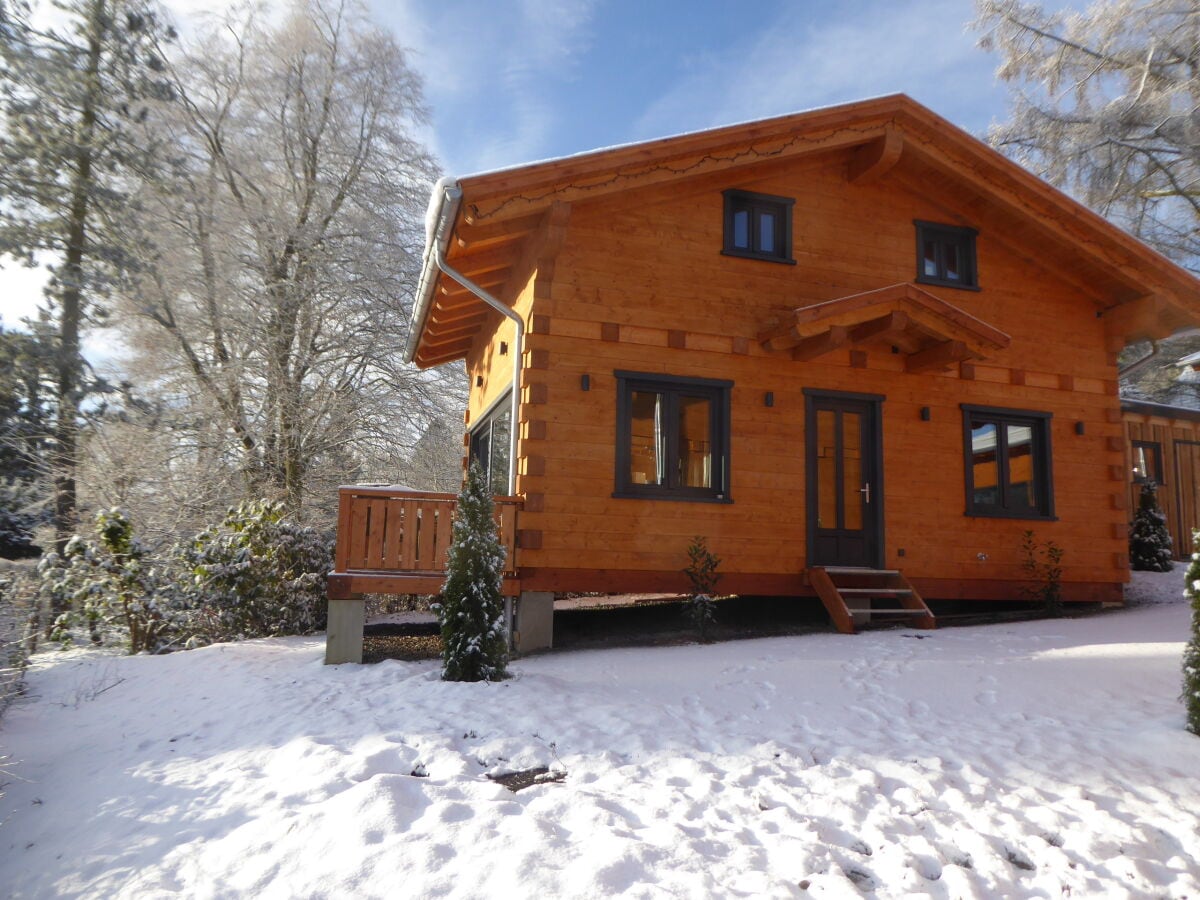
x=490 y=223
x=930 y=333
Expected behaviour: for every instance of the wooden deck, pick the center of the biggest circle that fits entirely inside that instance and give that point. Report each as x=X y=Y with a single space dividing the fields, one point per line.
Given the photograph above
x=392 y=540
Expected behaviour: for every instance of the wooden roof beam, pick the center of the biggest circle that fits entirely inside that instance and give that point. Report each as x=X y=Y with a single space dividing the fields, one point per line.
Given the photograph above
x=874 y=160
x=886 y=328
x=476 y=236
x=939 y=356
x=820 y=344
x=1141 y=319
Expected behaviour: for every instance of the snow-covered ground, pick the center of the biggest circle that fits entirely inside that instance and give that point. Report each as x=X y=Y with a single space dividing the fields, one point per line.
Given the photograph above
x=1034 y=759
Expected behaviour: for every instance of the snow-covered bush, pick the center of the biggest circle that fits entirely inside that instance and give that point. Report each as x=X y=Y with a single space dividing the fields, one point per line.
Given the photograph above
x=1149 y=541
x=702 y=572
x=108 y=583
x=256 y=575
x=471 y=608
x=1191 y=652
x=18 y=632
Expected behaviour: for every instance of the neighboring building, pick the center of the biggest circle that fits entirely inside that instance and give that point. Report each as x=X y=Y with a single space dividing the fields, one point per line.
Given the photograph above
x=852 y=337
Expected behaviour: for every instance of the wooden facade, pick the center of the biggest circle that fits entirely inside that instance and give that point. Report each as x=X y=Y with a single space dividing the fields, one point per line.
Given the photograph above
x=826 y=402
x=1163 y=445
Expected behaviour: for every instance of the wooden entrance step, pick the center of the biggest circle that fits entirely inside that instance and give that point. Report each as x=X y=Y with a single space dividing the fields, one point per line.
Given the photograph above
x=850 y=595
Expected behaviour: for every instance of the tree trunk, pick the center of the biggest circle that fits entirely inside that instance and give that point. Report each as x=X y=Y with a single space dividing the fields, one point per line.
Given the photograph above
x=69 y=363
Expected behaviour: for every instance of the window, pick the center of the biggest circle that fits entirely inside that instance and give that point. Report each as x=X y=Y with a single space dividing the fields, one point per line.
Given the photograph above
x=758 y=226
x=946 y=255
x=491 y=444
x=1008 y=463
x=1147 y=462
x=672 y=437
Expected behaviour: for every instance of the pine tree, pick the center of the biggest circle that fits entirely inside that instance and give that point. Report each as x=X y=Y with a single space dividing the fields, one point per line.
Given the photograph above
x=1191 y=653
x=471 y=609
x=702 y=572
x=1149 y=540
x=74 y=99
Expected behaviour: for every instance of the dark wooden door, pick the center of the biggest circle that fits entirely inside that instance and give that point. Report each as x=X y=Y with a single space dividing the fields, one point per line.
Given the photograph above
x=845 y=490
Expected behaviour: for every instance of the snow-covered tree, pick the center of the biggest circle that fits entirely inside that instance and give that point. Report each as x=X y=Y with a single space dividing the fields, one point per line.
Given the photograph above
x=471 y=607
x=289 y=252
x=74 y=98
x=1149 y=541
x=1104 y=105
x=1191 y=652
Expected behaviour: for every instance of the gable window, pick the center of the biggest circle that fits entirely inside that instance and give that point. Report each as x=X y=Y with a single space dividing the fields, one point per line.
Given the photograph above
x=672 y=437
x=491 y=444
x=758 y=226
x=1147 y=462
x=946 y=255
x=1007 y=463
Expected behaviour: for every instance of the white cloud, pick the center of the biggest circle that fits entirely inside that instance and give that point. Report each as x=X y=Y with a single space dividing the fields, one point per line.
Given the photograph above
x=492 y=68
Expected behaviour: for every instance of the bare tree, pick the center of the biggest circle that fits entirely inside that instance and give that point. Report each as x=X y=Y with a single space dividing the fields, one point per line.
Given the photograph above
x=288 y=253
x=1105 y=104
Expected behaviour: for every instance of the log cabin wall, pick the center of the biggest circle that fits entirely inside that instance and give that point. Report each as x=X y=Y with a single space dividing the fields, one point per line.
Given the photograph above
x=640 y=283
x=1169 y=440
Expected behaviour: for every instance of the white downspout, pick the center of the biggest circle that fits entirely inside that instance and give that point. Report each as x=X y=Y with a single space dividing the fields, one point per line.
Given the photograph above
x=451 y=195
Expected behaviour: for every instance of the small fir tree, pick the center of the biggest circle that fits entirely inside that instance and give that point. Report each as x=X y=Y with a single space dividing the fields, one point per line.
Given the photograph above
x=1191 y=653
x=702 y=572
x=1149 y=540
x=471 y=609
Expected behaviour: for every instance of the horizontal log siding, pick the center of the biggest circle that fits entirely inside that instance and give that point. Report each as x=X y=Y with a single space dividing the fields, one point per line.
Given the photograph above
x=651 y=264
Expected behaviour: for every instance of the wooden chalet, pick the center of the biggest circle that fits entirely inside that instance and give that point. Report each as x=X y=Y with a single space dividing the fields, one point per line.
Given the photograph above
x=856 y=349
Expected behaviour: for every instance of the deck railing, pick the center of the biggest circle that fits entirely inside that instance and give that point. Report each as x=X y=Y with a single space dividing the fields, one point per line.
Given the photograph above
x=390 y=529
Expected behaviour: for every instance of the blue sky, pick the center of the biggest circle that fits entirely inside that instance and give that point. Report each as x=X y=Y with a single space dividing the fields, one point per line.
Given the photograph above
x=513 y=81
x=520 y=80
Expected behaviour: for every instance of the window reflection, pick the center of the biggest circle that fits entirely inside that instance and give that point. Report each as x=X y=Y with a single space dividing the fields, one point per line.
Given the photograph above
x=647 y=450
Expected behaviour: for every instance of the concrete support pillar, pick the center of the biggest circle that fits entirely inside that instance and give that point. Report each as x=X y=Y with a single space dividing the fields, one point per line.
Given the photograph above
x=534 y=629
x=344 y=636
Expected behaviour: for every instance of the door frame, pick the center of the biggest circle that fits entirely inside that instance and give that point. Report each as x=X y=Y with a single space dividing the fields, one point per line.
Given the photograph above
x=874 y=447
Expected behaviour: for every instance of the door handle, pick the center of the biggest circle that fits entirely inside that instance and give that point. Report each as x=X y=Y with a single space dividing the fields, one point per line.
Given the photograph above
x=865 y=490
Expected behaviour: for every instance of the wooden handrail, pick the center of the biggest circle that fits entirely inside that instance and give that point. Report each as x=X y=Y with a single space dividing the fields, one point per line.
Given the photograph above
x=392 y=529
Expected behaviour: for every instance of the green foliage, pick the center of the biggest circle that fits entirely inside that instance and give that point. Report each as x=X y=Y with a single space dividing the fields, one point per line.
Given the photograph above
x=471 y=608
x=1043 y=564
x=257 y=574
x=108 y=582
x=1149 y=541
x=253 y=575
x=1191 y=652
x=702 y=572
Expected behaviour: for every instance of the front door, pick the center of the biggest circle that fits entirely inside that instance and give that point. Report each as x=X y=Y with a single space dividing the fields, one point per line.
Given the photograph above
x=845 y=489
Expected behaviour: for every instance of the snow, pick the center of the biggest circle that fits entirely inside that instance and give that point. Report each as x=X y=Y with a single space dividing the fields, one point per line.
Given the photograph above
x=1043 y=758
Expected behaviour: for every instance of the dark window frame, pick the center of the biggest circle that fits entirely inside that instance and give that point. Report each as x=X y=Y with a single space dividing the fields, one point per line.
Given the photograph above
x=943 y=235
x=499 y=409
x=718 y=392
x=1042 y=465
x=781 y=207
x=1155 y=448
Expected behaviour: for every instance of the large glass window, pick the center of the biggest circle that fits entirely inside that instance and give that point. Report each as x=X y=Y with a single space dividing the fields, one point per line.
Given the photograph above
x=672 y=437
x=1008 y=470
x=758 y=226
x=491 y=444
x=946 y=255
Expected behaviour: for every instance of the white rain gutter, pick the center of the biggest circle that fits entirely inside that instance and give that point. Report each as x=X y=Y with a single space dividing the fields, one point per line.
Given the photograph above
x=439 y=223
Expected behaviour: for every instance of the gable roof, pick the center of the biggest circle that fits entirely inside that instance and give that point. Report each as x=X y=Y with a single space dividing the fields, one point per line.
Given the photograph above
x=493 y=227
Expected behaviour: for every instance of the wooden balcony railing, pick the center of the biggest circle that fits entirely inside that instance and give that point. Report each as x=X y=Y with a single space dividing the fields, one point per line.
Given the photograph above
x=393 y=540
